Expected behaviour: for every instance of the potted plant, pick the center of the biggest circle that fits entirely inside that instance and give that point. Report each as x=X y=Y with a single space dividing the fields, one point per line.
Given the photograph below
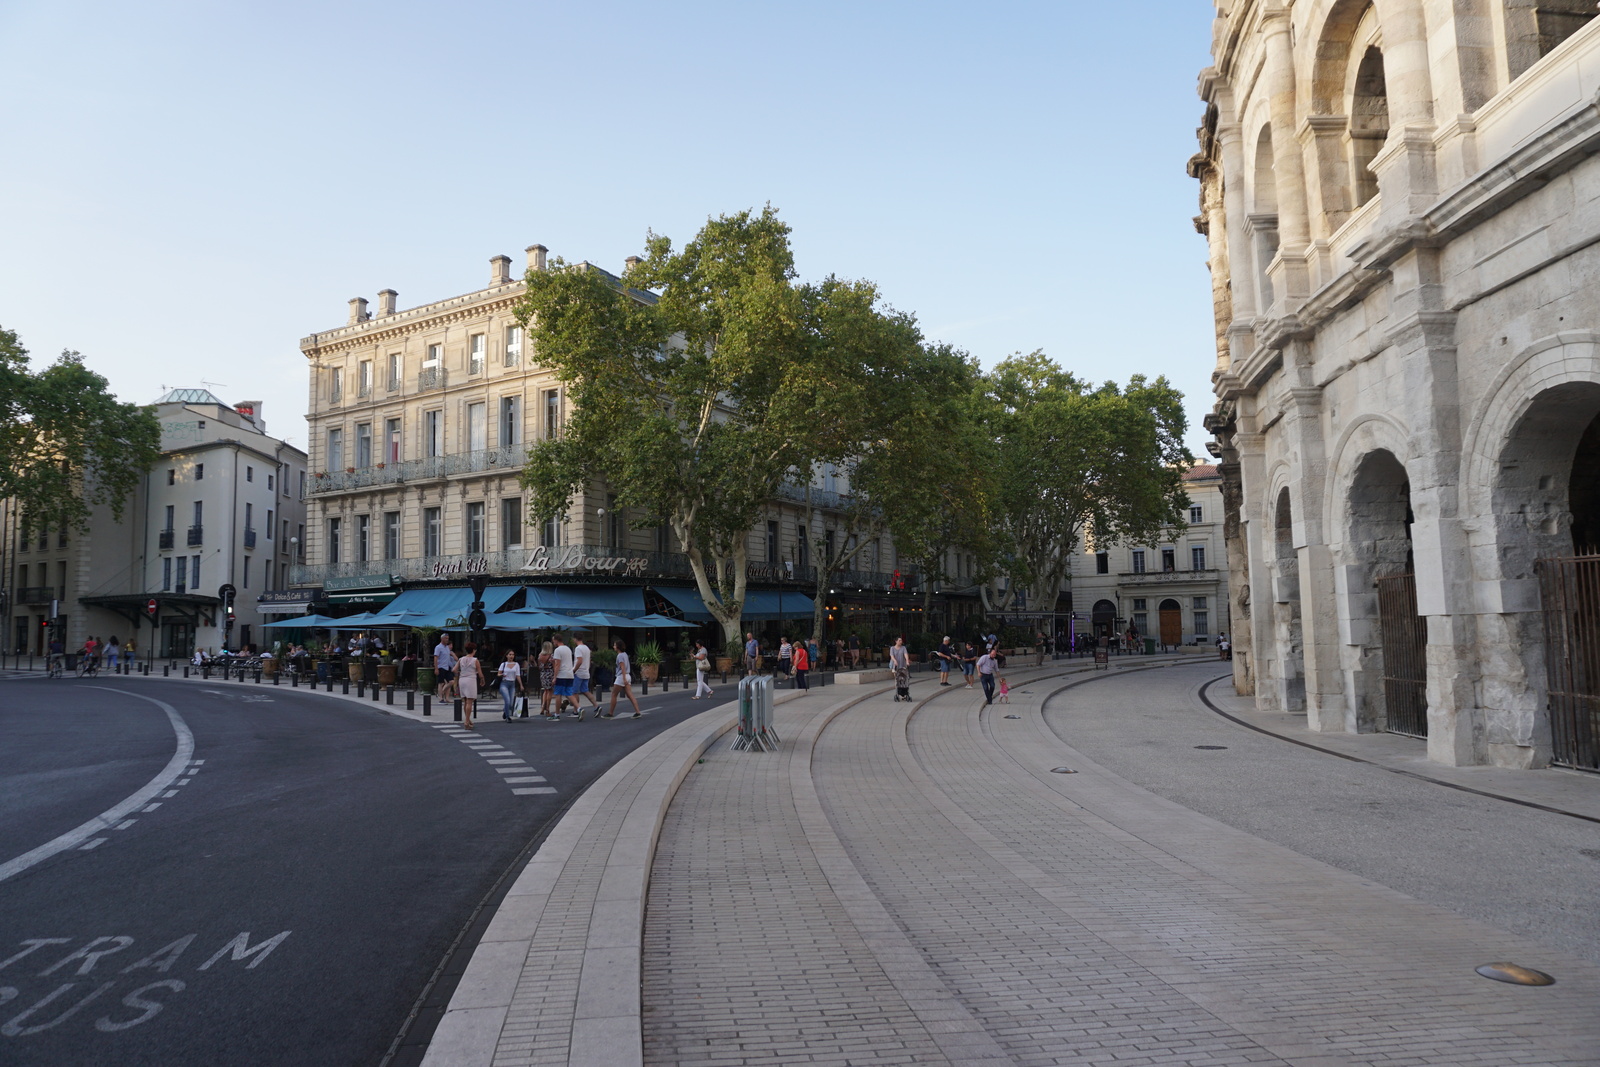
x=732 y=652
x=387 y=668
x=426 y=678
x=603 y=669
x=649 y=656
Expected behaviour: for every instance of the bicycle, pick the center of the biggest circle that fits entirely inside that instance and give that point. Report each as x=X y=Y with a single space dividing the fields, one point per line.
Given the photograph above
x=89 y=667
x=57 y=667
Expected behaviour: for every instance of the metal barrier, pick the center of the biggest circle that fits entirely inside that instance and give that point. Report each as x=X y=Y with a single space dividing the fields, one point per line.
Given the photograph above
x=755 y=733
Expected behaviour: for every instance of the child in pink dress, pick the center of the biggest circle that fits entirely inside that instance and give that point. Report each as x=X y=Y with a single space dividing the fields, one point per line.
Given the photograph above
x=1005 y=692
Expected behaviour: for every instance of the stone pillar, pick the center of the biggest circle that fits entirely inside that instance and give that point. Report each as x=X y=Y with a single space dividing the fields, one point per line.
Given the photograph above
x=1255 y=534
x=1288 y=273
x=1241 y=337
x=1405 y=167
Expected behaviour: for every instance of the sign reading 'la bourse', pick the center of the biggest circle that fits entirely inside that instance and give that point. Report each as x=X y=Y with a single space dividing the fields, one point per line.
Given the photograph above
x=570 y=560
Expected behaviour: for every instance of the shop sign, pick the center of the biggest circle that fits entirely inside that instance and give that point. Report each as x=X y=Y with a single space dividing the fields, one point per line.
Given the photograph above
x=359 y=581
x=574 y=559
x=464 y=566
x=290 y=596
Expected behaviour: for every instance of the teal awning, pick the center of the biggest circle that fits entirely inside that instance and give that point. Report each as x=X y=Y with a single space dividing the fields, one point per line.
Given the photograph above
x=580 y=599
x=760 y=605
x=687 y=601
x=446 y=608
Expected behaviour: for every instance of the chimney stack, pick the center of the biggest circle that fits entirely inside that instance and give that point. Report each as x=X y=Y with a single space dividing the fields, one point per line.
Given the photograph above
x=630 y=263
x=386 y=299
x=358 y=310
x=499 y=270
x=536 y=257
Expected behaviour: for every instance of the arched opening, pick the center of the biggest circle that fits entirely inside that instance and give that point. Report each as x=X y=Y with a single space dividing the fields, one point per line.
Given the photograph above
x=1369 y=123
x=1535 y=28
x=1388 y=674
x=1547 y=518
x=1171 y=623
x=1104 y=619
x=1262 y=222
x=1286 y=611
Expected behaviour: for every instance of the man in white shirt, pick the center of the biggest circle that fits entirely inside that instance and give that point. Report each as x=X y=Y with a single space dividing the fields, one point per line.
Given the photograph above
x=444 y=667
x=581 y=659
x=986 y=668
x=563 y=681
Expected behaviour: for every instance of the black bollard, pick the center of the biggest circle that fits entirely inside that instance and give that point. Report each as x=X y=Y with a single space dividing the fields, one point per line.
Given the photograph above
x=258 y=676
x=330 y=685
x=375 y=694
x=276 y=675
x=388 y=696
x=457 y=705
x=646 y=687
x=361 y=690
x=166 y=670
x=427 y=704
x=344 y=687
x=411 y=700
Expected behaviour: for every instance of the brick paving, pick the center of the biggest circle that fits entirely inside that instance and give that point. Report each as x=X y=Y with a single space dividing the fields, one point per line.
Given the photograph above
x=899 y=888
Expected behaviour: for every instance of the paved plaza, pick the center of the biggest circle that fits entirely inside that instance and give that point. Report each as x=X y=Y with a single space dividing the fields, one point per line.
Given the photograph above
x=919 y=883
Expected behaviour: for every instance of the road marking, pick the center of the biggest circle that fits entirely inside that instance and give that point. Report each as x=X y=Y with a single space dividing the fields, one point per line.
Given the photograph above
x=521 y=768
x=508 y=766
x=169 y=793
x=151 y=807
x=495 y=749
x=111 y=816
x=532 y=790
x=87 y=845
x=125 y=823
x=525 y=781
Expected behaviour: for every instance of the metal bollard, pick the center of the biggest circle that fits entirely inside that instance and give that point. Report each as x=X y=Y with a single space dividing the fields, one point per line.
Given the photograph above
x=166 y=670
x=186 y=670
x=275 y=676
x=411 y=700
x=375 y=694
x=646 y=688
x=258 y=675
x=361 y=690
x=330 y=685
x=457 y=710
x=344 y=687
x=427 y=704
x=388 y=696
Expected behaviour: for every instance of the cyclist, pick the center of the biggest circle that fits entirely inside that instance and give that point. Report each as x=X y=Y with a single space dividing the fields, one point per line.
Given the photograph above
x=88 y=662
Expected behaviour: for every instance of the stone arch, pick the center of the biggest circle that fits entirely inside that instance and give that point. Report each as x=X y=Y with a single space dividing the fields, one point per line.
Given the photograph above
x=1288 y=632
x=1369 y=120
x=1377 y=521
x=1262 y=222
x=1522 y=471
x=1103 y=619
x=1348 y=107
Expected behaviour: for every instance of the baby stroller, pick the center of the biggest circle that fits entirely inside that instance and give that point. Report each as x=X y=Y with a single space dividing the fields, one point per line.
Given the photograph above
x=902 y=682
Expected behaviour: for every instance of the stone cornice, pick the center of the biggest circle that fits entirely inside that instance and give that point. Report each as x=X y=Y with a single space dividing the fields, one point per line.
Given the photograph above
x=388 y=327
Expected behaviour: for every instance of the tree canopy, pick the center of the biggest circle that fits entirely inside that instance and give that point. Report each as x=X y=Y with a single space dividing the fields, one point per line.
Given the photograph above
x=705 y=380
x=1073 y=460
x=66 y=443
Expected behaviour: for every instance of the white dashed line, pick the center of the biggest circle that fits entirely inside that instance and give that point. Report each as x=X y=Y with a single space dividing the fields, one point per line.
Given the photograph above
x=534 y=789
x=524 y=781
x=516 y=767
x=151 y=807
x=501 y=758
x=125 y=823
x=92 y=843
x=169 y=793
x=504 y=759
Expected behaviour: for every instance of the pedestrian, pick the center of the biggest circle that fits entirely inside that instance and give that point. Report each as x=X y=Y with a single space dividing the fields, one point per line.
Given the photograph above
x=469 y=675
x=702 y=665
x=1224 y=647
x=752 y=653
x=986 y=667
x=510 y=684
x=562 y=686
x=855 y=651
x=1038 y=648
x=90 y=648
x=624 y=681
x=444 y=667
x=582 y=660
x=969 y=663
x=128 y=652
x=1005 y=692
x=813 y=653
x=900 y=663
x=946 y=657
x=785 y=656
x=113 y=653
x=547 y=680
x=802 y=664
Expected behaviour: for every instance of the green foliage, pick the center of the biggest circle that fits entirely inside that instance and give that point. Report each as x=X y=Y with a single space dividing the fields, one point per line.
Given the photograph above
x=695 y=406
x=734 y=650
x=605 y=657
x=648 y=652
x=67 y=444
x=1072 y=461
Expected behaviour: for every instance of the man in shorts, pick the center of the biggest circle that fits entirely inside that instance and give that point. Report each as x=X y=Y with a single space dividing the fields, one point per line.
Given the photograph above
x=945 y=657
x=563 y=679
x=444 y=667
x=581 y=659
x=969 y=663
x=752 y=654
x=855 y=651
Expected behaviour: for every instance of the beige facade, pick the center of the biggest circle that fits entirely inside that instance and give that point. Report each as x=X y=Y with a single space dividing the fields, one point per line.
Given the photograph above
x=1174 y=590
x=1402 y=205
x=420 y=422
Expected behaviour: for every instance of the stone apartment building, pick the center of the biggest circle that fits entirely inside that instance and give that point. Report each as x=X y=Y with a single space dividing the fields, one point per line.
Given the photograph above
x=1175 y=590
x=222 y=506
x=1402 y=205
x=420 y=421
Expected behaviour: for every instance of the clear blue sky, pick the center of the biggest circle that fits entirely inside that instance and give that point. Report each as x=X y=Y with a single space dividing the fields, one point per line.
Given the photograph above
x=189 y=188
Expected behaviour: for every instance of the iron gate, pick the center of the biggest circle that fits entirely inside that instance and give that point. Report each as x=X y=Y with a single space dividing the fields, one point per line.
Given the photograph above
x=1569 y=590
x=1405 y=656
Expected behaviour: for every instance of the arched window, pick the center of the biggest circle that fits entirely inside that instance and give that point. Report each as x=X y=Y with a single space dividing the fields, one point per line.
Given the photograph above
x=1369 y=122
x=1263 y=219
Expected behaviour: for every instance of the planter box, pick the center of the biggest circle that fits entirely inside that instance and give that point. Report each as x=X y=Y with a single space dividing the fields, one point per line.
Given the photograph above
x=386 y=673
x=650 y=671
x=354 y=669
x=425 y=679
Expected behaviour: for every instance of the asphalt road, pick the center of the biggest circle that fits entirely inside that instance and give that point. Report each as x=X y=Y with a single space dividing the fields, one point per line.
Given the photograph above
x=1532 y=872
x=284 y=894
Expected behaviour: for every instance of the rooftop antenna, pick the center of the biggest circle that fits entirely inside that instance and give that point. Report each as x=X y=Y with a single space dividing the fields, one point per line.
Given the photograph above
x=213 y=385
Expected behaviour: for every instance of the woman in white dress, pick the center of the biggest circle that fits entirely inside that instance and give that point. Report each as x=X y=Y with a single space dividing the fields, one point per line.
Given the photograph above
x=470 y=675
x=702 y=666
x=624 y=681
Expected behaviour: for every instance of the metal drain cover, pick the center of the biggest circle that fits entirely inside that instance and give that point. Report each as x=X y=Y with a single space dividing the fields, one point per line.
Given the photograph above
x=1013 y=716
x=1213 y=748
x=1062 y=770
x=1511 y=972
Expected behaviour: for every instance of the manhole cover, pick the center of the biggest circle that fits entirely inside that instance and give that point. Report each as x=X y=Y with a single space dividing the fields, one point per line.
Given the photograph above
x=1592 y=853
x=1062 y=770
x=1212 y=748
x=1013 y=716
x=1510 y=972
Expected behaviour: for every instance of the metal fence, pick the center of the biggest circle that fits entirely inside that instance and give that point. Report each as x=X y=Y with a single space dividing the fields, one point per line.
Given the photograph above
x=1405 y=656
x=1569 y=591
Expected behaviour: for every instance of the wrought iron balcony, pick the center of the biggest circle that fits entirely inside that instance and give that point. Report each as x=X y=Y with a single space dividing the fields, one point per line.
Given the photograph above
x=1166 y=577
x=430 y=378
x=249 y=538
x=534 y=564
x=196 y=535
x=822 y=498
x=168 y=537
x=511 y=457
x=36 y=594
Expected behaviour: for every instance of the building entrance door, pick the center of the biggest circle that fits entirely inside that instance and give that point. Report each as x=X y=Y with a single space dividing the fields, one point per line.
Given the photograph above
x=1405 y=656
x=1569 y=590
x=1171 y=623
x=177 y=639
